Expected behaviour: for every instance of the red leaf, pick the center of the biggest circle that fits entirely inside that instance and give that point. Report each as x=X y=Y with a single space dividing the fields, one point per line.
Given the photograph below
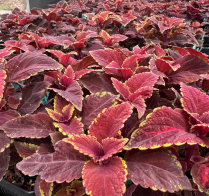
x=28 y=64
x=84 y=63
x=63 y=110
x=65 y=159
x=200 y=176
x=2 y=83
x=110 y=121
x=188 y=72
x=163 y=127
x=182 y=51
x=139 y=103
x=105 y=57
x=32 y=96
x=141 y=80
x=98 y=83
x=75 y=127
x=198 y=54
x=73 y=94
x=106 y=179
x=45 y=188
x=194 y=101
x=112 y=146
x=8 y=115
x=87 y=145
x=159 y=51
x=95 y=104
x=59 y=103
x=33 y=125
x=55 y=115
x=3 y=53
x=132 y=62
x=66 y=59
x=4 y=141
x=25 y=149
x=56 y=137
x=13 y=102
x=157 y=169
x=121 y=88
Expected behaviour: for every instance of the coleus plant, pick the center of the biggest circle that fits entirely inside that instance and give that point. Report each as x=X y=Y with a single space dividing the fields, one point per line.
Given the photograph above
x=118 y=120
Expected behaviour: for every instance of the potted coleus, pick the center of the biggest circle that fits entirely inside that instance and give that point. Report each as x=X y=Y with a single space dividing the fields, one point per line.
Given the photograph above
x=89 y=108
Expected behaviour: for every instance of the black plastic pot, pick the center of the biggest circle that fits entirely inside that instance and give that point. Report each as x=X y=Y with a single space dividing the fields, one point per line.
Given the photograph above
x=41 y=3
x=206 y=41
x=205 y=50
x=9 y=189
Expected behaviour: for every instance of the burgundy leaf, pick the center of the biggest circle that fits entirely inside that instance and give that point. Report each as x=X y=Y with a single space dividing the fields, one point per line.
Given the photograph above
x=164 y=127
x=28 y=64
x=74 y=128
x=157 y=169
x=200 y=176
x=73 y=94
x=84 y=63
x=25 y=149
x=46 y=188
x=8 y=115
x=194 y=101
x=189 y=71
x=32 y=96
x=141 y=80
x=33 y=125
x=98 y=83
x=95 y=104
x=86 y=144
x=65 y=159
x=105 y=57
x=13 y=102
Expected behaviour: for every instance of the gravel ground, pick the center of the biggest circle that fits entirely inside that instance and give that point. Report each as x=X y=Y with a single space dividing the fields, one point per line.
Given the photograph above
x=7 y=5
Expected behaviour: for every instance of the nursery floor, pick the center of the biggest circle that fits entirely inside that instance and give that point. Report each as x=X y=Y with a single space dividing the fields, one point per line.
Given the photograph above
x=7 y=5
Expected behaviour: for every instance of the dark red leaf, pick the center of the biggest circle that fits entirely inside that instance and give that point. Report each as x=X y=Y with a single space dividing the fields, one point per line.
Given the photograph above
x=188 y=72
x=45 y=188
x=73 y=94
x=33 y=125
x=74 y=128
x=98 y=83
x=105 y=57
x=8 y=115
x=158 y=169
x=28 y=64
x=164 y=127
x=25 y=149
x=32 y=96
x=200 y=176
x=95 y=104
x=194 y=101
x=65 y=159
